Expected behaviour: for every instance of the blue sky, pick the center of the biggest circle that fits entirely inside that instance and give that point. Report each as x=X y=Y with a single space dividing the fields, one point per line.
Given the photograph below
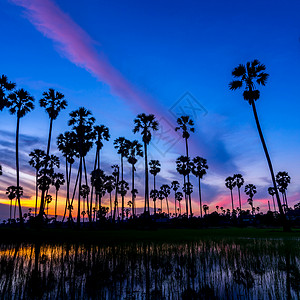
x=160 y=50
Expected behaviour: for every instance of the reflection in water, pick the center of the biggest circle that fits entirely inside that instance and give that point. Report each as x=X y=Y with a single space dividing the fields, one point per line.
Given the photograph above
x=239 y=269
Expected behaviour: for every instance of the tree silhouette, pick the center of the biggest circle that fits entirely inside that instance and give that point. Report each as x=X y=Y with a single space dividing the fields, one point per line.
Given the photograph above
x=154 y=170
x=239 y=180
x=37 y=158
x=58 y=181
x=178 y=197
x=122 y=145
x=19 y=102
x=134 y=151
x=186 y=125
x=250 y=74
x=165 y=189
x=175 y=185
x=5 y=86
x=122 y=189
x=110 y=186
x=82 y=125
x=116 y=174
x=271 y=192
x=205 y=208
x=154 y=194
x=183 y=167
x=199 y=167
x=283 y=179
x=84 y=193
x=230 y=184
x=250 y=190
x=11 y=193
x=145 y=124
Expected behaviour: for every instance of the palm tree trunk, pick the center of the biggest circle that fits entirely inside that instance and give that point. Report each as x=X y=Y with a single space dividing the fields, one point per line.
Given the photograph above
x=122 y=175
x=200 y=197
x=36 y=192
x=92 y=190
x=167 y=206
x=79 y=188
x=146 y=180
x=188 y=176
x=286 y=226
x=186 y=200
x=87 y=196
x=231 y=199
x=110 y=205
x=132 y=179
x=175 y=204
x=286 y=200
x=240 y=198
x=269 y=205
x=154 y=190
x=49 y=137
x=55 y=214
x=18 y=171
x=274 y=203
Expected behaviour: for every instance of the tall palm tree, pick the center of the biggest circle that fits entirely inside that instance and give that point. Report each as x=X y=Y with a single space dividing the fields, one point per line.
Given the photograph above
x=11 y=192
x=145 y=124
x=134 y=151
x=271 y=192
x=183 y=167
x=116 y=174
x=283 y=180
x=123 y=188
x=37 y=158
x=230 y=184
x=82 y=125
x=58 y=181
x=186 y=125
x=250 y=74
x=178 y=197
x=199 y=167
x=175 y=185
x=84 y=192
x=188 y=189
x=239 y=181
x=165 y=189
x=155 y=168
x=250 y=190
x=110 y=186
x=19 y=102
x=66 y=143
x=5 y=86
x=122 y=145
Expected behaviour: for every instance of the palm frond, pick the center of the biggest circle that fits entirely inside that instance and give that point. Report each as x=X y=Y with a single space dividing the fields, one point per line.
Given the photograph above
x=262 y=78
x=239 y=71
x=235 y=84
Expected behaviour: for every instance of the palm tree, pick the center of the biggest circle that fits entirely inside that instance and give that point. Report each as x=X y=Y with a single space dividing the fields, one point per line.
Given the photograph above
x=82 y=125
x=48 y=200
x=205 y=208
x=249 y=75
x=11 y=193
x=20 y=102
x=183 y=167
x=161 y=197
x=188 y=189
x=123 y=188
x=165 y=189
x=37 y=158
x=58 y=181
x=116 y=174
x=283 y=179
x=250 y=190
x=134 y=151
x=66 y=143
x=239 y=181
x=154 y=194
x=186 y=124
x=230 y=184
x=84 y=192
x=145 y=124
x=122 y=145
x=175 y=186
x=271 y=192
x=5 y=86
x=178 y=197
x=199 y=167
x=110 y=186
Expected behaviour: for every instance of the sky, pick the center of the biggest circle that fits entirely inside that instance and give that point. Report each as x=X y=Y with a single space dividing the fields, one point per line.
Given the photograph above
x=121 y=58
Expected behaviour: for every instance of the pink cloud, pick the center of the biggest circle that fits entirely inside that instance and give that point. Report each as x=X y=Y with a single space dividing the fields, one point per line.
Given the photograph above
x=77 y=46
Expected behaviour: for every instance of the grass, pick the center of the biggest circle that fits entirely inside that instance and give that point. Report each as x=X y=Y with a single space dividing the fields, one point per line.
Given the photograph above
x=130 y=235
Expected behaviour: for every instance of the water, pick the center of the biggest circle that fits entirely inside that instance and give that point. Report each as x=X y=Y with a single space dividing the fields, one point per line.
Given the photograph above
x=207 y=269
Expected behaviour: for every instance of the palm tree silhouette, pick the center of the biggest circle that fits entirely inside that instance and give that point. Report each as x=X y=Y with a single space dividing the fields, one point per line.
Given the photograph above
x=84 y=192
x=5 y=86
x=154 y=194
x=230 y=184
x=199 y=167
x=205 y=208
x=82 y=125
x=271 y=192
x=165 y=189
x=123 y=188
x=110 y=186
x=11 y=192
x=67 y=144
x=37 y=158
x=283 y=179
x=134 y=150
x=250 y=190
x=161 y=197
x=239 y=180
x=175 y=185
x=178 y=197
x=122 y=145
x=186 y=125
x=188 y=189
x=58 y=181
x=183 y=167
x=116 y=174
x=154 y=170
x=145 y=124
x=19 y=102
x=48 y=200
x=249 y=75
